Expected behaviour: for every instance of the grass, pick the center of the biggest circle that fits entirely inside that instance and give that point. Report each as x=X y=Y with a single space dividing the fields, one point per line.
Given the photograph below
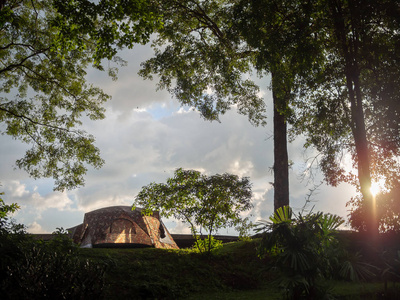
x=232 y=272
x=152 y=273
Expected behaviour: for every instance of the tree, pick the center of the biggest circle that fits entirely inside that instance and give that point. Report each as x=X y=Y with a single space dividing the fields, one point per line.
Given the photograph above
x=43 y=58
x=279 y=34
x=204 y=52
x=211 y=202
x=351 y=105
x=333 y=64
x=201 y=60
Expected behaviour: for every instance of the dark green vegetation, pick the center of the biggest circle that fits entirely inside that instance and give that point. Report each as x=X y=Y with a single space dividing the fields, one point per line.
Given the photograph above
x=298 y=257
x=34 y=269
x=232 y=272
x=159 y=273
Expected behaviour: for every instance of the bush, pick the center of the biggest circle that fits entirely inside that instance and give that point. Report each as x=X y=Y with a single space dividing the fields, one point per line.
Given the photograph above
x=32 y=269
x=47 y=274
x=206 y=245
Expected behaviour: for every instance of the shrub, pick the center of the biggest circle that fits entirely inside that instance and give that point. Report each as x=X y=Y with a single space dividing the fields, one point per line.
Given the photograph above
x=302 y=251
x=47 y=274
x=206 y=245
x=31 y=269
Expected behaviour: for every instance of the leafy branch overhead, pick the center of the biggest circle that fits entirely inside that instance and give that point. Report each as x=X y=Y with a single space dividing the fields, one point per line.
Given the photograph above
x=44 y=55
x=107 y=26
x=200 y=60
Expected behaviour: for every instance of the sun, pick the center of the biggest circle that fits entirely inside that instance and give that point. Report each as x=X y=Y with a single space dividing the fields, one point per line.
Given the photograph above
x=375 y=188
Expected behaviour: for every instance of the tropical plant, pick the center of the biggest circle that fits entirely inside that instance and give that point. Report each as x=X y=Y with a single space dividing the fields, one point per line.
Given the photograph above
x=391 y=269
x=301 y=251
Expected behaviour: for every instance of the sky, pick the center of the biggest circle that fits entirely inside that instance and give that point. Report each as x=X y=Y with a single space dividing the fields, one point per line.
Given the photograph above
x=144 y=138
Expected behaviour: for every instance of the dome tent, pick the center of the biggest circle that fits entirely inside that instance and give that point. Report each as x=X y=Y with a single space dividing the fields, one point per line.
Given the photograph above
x=120 y=226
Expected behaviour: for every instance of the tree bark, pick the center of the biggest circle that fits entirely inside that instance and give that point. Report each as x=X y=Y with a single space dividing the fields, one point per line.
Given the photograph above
x=281 y=162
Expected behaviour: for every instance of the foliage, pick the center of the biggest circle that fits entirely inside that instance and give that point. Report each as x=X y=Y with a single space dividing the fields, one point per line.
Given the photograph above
x=347 y=104
x=46 y=273
x=391 y=270
x=206 y=244
x=34 y=269
x=44 y=56
x=303 y=249
x=5 y=210
x=49 y=270
x=108 y=25
x=201 y=59
x=245 y=229
x=44 y=96
x=12 y=236
x=211 y=202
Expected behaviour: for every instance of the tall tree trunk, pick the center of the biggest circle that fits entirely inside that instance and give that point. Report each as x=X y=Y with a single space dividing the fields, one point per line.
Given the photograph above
x=349 y=48
x=281 y=162
x=363 y=156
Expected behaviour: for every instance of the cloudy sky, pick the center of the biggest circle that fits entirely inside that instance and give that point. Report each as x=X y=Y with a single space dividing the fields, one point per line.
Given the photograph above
x=146 y=136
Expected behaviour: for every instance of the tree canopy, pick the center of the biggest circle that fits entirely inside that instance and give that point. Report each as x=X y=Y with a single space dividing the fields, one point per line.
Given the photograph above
x=209 y=202
x=44 y=94
x=201 y=60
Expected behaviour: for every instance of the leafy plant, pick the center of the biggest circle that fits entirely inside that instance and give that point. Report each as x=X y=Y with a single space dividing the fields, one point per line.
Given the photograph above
x=301 y=248
x=206 y=244
x=391 y=270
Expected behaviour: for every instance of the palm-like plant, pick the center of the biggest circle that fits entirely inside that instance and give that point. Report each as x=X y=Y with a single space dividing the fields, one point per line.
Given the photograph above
x=302 y=250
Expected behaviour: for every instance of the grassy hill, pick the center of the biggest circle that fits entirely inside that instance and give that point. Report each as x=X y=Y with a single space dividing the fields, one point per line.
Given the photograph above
x=159 y=273
x=233 y=272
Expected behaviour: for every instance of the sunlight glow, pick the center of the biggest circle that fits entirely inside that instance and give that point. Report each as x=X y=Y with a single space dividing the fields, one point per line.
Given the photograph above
x=375 y=188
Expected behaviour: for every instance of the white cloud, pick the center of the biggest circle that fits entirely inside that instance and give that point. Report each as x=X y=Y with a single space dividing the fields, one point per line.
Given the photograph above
x=36 y=228
x=18 y=190
x=180 y=227
x=241 y=168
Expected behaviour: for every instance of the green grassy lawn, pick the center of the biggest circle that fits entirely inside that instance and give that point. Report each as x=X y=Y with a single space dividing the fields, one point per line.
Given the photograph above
x=233 y=272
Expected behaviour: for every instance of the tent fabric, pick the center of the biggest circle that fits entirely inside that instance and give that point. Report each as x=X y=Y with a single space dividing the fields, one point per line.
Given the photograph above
x=120 y=226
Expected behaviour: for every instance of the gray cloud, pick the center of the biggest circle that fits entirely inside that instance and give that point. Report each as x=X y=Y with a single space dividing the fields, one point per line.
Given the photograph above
x=144 y=138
